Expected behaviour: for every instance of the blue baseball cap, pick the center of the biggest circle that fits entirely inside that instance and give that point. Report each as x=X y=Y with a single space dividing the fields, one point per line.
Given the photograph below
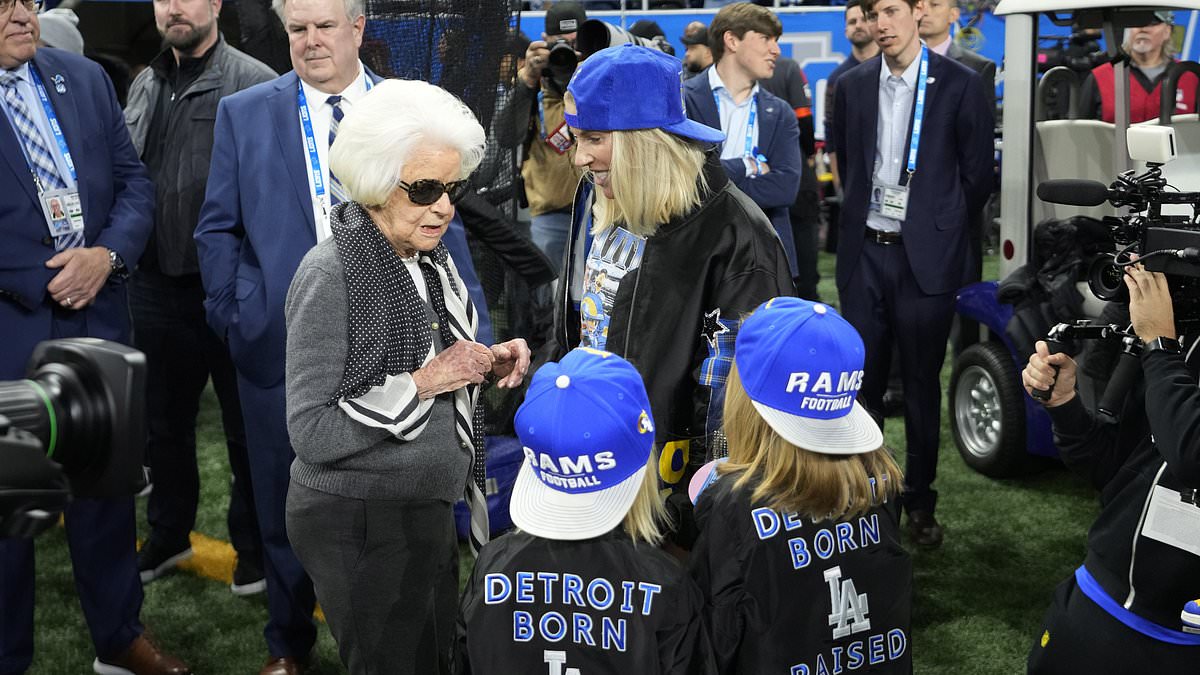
x=802 y=366
x=630 y=87
x=587 y=433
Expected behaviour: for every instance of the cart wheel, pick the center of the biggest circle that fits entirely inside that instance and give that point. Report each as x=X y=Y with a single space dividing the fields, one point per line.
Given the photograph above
x=987 y=413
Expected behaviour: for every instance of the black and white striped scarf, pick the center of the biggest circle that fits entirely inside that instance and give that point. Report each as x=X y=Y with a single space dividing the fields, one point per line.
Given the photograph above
x=389 y=338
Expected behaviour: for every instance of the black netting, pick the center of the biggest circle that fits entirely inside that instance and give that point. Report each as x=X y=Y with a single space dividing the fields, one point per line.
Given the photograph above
x=460 y=45
x=456 y=44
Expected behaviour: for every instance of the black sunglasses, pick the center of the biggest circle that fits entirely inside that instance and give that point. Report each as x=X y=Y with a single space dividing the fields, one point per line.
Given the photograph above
x=428 y=190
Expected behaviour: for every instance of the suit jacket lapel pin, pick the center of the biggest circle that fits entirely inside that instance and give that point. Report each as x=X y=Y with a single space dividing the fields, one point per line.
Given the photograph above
x=930 y=80
x=60 y=83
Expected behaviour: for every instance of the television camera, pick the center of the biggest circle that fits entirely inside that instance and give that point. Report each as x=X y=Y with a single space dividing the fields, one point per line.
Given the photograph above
x=75 y=427
x=1162 y=243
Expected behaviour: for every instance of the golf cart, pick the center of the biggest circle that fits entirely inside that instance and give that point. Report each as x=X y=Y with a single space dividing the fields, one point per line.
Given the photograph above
x=995 y=424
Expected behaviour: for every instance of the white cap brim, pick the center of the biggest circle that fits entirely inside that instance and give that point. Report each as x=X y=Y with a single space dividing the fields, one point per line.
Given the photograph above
x=545 y=512
x=851 y=434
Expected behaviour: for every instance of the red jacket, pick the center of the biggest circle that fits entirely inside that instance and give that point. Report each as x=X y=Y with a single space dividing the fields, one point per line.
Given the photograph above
x=1143 y=103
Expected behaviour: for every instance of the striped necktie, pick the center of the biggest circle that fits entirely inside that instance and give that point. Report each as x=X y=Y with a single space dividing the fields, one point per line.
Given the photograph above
x=337 y=193
x=41 y=161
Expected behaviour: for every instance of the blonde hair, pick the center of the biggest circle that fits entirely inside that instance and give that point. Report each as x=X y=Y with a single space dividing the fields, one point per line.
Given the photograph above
x=788 y=478
x=648 y=511
x=655 y=176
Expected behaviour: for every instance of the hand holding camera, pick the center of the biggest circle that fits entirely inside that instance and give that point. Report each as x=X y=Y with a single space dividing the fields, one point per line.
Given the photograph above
x=1150 y=308
x=1050 y=372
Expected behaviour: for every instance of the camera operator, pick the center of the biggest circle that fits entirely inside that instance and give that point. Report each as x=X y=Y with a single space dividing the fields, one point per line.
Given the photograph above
x=1122 y=610
x=534 y=118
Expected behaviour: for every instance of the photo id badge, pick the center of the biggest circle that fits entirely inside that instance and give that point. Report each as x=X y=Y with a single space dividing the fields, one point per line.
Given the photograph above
x=560 y=141
x=63 y=211
x=895 y=202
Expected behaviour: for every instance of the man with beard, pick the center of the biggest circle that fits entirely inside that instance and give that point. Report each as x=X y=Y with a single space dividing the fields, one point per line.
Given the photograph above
x=697 y=56
x=171 y=111
x=862 y=47
x=1149 y=48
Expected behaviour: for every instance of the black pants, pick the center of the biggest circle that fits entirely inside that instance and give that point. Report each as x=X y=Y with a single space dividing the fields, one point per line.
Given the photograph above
x=883 y=301
x=805 y=215
x=181 y=353
x=386 y=575
x=1077 y=636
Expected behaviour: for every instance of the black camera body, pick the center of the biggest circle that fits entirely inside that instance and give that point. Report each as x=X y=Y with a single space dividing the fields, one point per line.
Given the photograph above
x=1162 y=243
x=75 y=427
x=562 y=61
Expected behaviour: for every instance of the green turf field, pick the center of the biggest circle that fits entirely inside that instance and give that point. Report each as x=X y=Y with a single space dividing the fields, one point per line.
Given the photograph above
x=979 y=598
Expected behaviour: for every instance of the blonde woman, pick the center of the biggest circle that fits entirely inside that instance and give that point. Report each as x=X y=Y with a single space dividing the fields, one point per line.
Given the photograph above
x=799 y=555
x=583 y=586
x=665 y=254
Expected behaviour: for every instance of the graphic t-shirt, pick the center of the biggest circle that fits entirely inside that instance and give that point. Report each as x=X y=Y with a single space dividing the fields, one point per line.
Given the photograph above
x=614 y=254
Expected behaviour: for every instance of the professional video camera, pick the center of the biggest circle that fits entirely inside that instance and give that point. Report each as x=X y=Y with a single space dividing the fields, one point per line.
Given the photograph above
x=1163 y=243
x=75 y=427
x=594 y=35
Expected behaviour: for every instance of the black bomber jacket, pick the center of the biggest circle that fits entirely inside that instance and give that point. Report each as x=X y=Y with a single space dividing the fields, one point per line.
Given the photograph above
x=676 y=316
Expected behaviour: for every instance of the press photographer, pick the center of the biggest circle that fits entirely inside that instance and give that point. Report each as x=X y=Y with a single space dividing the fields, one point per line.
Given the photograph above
x=1131 y=606
x=533 y=117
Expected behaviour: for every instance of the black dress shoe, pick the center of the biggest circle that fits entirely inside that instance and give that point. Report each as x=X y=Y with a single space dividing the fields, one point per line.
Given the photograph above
x=924 y=529
x=158 y=556
x=248 y=577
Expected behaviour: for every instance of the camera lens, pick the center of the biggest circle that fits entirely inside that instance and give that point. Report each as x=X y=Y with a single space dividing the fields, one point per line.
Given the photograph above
x=1107 y=280
x=562 y=59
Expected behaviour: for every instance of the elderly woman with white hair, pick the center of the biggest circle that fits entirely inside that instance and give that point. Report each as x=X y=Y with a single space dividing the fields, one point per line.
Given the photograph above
x=383 y=379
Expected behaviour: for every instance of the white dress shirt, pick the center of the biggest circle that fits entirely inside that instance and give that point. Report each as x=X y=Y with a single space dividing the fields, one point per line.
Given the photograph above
x=734 y=117
x=896 y=96
x=321 y=115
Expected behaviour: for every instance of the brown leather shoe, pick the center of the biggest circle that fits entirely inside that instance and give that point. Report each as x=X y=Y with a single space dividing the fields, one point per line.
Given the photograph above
x=924 y=529
x=141 y=657
x=283 y=665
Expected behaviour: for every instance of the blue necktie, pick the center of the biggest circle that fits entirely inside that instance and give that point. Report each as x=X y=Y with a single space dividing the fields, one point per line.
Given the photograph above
x=40 y=160
x=337 y=193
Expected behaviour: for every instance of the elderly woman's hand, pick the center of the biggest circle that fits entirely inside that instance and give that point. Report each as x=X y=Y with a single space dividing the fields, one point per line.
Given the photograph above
x=512 y=362
x=454 y=368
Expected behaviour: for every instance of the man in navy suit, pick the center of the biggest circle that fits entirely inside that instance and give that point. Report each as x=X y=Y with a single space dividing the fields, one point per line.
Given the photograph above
x=63 y=137
x=761 y=153
x=903 y=249
x=266 y=205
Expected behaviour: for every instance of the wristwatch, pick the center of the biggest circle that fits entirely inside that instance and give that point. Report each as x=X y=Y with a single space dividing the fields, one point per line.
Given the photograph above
x=1166 y=344
x=115 y=264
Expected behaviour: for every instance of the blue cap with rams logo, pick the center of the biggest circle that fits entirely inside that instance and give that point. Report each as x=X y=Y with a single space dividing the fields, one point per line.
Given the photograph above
x=802 y=366
x=587 y=432
x=631 y=87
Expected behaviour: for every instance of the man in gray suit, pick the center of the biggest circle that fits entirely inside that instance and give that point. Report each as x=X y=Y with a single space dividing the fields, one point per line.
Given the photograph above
x=940 y=15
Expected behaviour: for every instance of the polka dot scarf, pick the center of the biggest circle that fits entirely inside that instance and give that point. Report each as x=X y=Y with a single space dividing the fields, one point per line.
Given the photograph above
x=389 y=331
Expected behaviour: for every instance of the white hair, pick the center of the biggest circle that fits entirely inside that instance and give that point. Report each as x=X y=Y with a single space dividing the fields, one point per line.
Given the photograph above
x=383 y=129
x=354 y=9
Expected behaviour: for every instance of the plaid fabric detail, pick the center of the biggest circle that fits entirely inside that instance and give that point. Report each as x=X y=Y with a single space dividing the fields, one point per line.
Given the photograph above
x=715 y=368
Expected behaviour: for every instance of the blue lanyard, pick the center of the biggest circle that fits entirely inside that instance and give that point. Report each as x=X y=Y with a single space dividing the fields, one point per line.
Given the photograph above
x=542 y=113
x=54 y=126
x=918 y=111
x=749 y=123
x=310 y=139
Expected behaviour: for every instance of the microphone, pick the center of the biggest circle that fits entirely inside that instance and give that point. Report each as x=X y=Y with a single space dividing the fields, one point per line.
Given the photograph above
x=1073 y=192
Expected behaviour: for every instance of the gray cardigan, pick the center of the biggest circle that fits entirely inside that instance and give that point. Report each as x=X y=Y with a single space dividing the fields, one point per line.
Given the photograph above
x=334 y=453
